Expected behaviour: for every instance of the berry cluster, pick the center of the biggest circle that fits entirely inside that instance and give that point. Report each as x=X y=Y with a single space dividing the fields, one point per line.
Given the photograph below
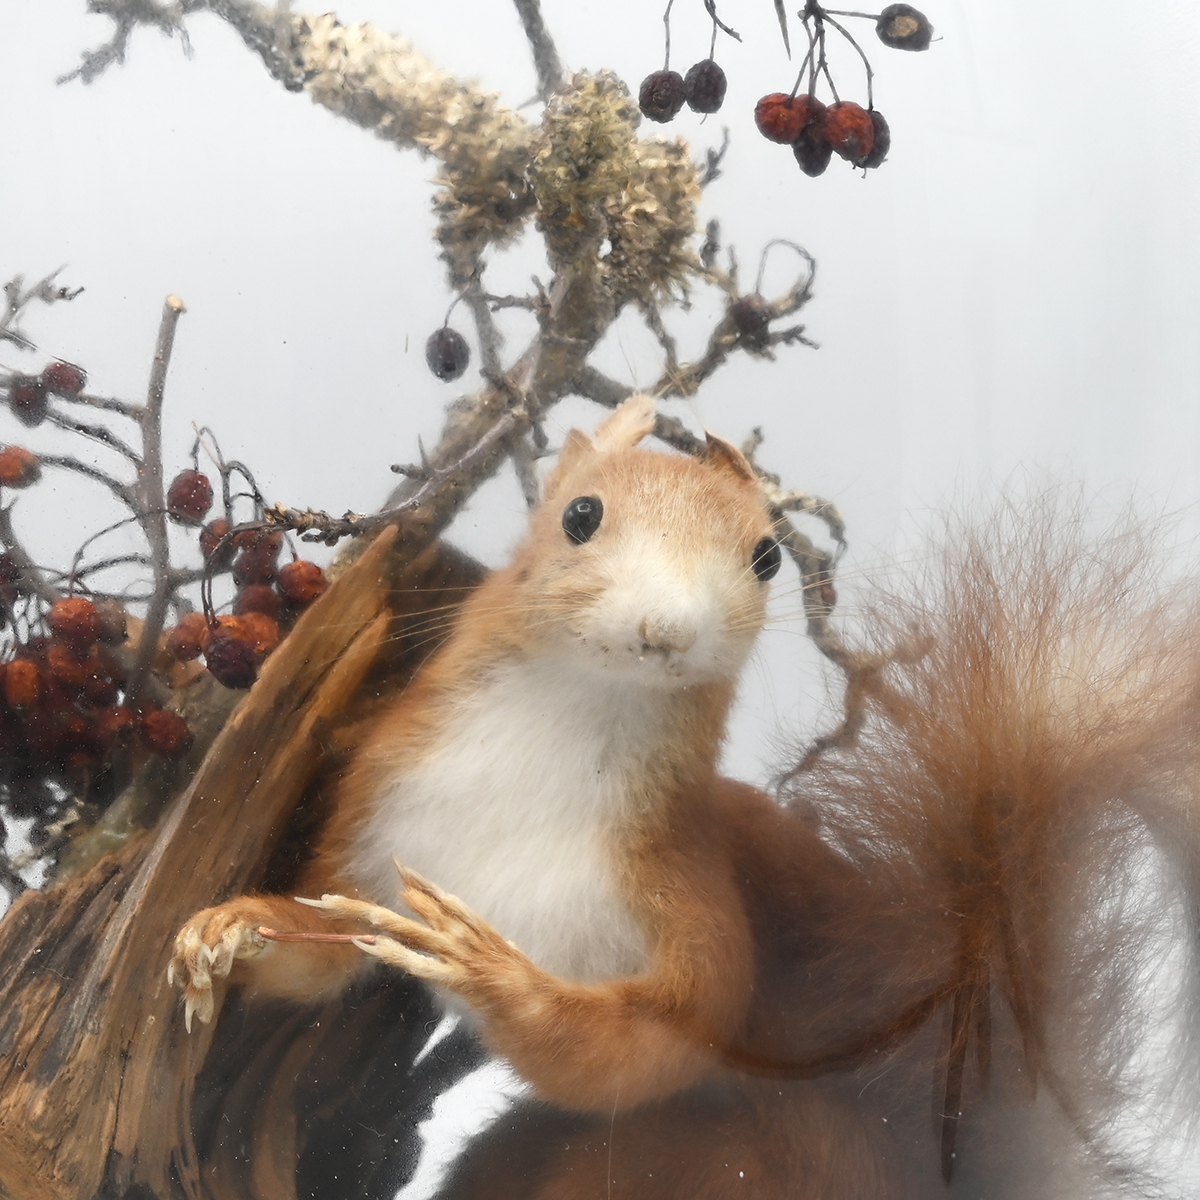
x=663 y=93
x=63 y=691
x=268 y=597
x=815 y=130
x=29 y=395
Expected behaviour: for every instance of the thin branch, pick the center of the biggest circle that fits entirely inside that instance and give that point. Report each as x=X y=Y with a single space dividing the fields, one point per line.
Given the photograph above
x=713 y=158
x=316 y=526
x=67 y=462
x=30 y=577
x=97 y=433
x=106 y=403
x=545 y=56
x=151 y=502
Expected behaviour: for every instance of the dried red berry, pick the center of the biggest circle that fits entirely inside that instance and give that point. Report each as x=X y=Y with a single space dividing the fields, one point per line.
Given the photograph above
x=812 y=150
x=232 y=662
x=67 y=666
x=65 y=378
x=21 y=683
x=186 y=640
x=257 y=598
x=904 y=28
x=255 y=565
x=302 y=581
x=849 y=130
x=112 y=724
x=76 y=621
x=704 y=87
x=164 y=732
x=782 y=118
x=447 y=353
x=661 y=95
x=752 y=316
x=211 y=537
x=27 y=399
x=881 y=145
x=262 y=632
x=189 y=497
x=19 y=467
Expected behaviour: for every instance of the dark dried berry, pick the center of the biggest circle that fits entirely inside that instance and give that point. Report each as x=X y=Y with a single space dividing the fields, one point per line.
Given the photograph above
x=812 y=151
x=27 y=399
x=189 y=497
x=211 y=537
x=232 y=662
x=904 y=28
x=752 y=316
x=164 y=732
x=186 y=640
x=257 y=597
x=704 y=87
x=100 y=691
x=19 y=467
x=76 y=621
x=782 y=118
x=65 y=378
x=302 y=581
x=849 y=130
x=881 y=145
x=254 y=566
x=661 y=95
x=447 y=353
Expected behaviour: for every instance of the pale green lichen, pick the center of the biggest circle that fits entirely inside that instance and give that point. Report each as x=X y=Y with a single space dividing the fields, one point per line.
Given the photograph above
x=596 y=181
x=383 y=83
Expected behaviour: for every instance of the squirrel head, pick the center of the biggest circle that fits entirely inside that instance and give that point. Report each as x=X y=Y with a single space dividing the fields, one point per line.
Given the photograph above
x=648 y=564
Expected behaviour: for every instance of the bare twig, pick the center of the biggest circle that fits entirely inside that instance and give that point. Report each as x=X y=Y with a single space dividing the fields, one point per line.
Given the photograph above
x=316 y=526
x=16 y=300
x=31 y=578
x=96 y=433
x=67 y=462
x=545 y=56
x=713 y=158
x=150 y=500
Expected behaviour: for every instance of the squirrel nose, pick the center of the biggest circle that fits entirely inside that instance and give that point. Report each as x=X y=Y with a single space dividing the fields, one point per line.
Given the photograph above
x=662 y=635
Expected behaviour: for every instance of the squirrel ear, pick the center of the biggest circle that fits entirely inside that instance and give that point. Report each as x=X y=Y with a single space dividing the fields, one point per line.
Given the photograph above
x=627 y=425
x=726 y=457
x=576 y=447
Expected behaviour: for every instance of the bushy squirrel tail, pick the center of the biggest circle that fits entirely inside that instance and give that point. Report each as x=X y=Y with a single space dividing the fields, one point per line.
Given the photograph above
x=1024 y=791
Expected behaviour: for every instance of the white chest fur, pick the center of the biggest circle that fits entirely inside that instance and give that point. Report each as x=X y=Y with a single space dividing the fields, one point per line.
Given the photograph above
x=516 y=812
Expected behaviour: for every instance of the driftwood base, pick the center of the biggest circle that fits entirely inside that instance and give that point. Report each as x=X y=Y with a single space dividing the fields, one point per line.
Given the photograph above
x=102 y=1093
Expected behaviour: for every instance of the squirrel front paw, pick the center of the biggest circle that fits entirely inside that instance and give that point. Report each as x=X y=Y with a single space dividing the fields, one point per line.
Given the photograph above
x=449 y=945
x=206 y=949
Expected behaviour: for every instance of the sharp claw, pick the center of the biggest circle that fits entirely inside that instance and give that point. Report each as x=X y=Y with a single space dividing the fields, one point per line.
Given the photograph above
x=170 y=974
x=187 y=1014
x=328 y=900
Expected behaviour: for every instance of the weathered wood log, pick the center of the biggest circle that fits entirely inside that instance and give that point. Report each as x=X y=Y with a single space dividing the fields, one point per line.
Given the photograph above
x=98 y=1080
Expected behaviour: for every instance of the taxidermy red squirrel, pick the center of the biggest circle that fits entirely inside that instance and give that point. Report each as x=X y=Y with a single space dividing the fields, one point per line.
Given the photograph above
x=679 y=954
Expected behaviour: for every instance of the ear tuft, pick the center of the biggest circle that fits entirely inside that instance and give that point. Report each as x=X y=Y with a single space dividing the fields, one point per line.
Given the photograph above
x=627 y=425
x=727 y=457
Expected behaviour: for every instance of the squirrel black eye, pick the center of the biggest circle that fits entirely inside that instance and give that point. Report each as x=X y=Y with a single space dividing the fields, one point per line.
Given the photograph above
x=581 y=518
x=766 y=559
